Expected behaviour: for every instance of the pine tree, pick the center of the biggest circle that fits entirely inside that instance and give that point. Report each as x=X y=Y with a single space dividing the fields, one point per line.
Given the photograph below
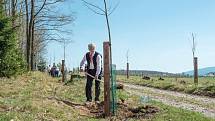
x=11 y=60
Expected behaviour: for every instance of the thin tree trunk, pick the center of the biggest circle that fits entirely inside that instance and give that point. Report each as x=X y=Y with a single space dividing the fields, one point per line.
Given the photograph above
x=9 y=8
x=32 y=47
x=109 y=35
x=27 y=36
x=22 y=28
x=5 y=7
x=13 y=12
x=31 y=32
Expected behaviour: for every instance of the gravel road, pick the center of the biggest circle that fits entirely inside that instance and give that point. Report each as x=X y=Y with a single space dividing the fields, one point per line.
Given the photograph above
x=204 y=105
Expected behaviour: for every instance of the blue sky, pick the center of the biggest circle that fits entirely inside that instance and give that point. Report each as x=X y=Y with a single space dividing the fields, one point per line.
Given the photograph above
x=157 y=33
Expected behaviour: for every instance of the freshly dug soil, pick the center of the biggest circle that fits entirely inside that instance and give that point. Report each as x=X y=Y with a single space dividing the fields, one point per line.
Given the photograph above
x=124 y=111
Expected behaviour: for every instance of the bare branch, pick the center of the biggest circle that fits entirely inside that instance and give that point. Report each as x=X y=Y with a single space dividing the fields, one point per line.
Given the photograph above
x=94 y=10
x=40 y=9
x=193 y=44
x=111 y=11
x=92 y=5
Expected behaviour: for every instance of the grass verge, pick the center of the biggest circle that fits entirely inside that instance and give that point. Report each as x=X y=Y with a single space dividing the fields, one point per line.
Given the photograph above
x=205 y=87
x=31 y=97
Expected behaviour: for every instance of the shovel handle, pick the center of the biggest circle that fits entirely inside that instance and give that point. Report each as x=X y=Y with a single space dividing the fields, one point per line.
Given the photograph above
x=93 y=76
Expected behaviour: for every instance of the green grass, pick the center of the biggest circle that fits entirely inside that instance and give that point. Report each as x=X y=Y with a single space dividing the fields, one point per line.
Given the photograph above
x=205 y=87
x=25 y=98
x=169 y=113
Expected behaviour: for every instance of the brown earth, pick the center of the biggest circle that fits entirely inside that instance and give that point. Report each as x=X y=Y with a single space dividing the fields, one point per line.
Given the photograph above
x=123 y=110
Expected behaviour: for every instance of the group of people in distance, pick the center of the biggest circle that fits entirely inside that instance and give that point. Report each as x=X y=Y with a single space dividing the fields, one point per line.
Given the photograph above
x=54 y=71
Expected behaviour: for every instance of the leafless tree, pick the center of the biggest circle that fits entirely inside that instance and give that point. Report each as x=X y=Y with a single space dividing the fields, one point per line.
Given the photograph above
x=195 y=59
x=38 y=22
x=43 y=18
x=104 y=12
x=127 y=64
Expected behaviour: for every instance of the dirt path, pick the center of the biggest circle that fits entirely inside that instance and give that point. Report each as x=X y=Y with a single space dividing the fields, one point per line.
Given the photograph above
x=200 y=104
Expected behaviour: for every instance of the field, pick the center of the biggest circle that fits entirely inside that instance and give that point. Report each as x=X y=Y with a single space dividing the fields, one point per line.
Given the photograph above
x=36 y=96
x=205 y=87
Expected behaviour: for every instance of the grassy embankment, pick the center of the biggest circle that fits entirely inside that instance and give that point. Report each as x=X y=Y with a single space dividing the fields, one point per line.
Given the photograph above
x=29 y=97
x=205 y=87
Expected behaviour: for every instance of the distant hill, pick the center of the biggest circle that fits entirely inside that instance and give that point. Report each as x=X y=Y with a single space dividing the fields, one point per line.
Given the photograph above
x=202 y=72
x=144 y=72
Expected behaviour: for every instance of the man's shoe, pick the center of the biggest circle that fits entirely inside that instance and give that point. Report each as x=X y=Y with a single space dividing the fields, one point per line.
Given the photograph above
x=88 y=102
x=97 y=102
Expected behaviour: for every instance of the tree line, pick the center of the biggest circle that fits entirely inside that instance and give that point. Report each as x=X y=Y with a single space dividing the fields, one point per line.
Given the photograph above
x=26 y=28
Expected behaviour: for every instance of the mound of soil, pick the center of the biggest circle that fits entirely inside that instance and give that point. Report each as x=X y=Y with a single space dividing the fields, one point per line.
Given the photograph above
x=140 y=112
x=119 y=86
x=124 y=111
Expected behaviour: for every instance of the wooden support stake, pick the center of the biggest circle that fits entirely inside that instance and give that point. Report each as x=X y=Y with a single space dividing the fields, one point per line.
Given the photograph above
x=63 y=70
x=106 y=50
x=127 y=72
x=195 y=70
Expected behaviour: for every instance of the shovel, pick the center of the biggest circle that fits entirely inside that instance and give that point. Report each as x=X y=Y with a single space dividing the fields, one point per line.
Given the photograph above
x=93 y=77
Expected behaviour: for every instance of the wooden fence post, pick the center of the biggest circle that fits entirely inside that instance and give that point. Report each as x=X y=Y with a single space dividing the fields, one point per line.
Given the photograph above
x=63 y=70
x=195 y=70
x=127 y=72
x=106 y=50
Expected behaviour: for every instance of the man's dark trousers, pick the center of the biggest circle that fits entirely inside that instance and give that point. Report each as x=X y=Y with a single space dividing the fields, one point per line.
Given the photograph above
x=88 y=88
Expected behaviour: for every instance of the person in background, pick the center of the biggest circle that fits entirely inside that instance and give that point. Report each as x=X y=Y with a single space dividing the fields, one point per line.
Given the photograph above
x=49 y=69
x=53 y=70
x=57 y=72
x=94 y=68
